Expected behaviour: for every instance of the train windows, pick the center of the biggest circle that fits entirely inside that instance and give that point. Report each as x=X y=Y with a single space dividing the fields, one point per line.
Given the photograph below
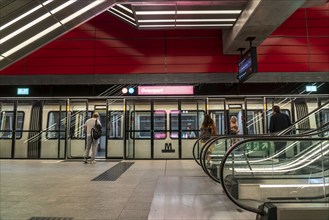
x=141 y=124
x=7 y=124
x=115 y=126
x=321 y=119
x=190 y=123
x=56 y=125
x=160 y=124
x=77 y=124
x=218 y=117
x=254 y=122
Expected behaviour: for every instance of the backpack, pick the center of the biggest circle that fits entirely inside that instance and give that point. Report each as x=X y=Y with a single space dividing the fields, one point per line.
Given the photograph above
x=96 y=131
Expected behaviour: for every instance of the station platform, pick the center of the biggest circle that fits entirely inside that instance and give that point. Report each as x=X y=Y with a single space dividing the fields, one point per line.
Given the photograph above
x=112 y=189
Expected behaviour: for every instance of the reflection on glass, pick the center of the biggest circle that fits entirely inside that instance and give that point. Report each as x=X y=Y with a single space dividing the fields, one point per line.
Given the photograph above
x=7 y=124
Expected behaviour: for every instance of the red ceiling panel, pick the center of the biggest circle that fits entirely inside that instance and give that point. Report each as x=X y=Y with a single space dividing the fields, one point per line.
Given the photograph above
x=129 y=60
x=191 y=68
x=320 y=58
x=129 y=43
x=290 y=32
x=129 y=51
x=60 y=69
x=269 y=58
x=318 y=41
x=282 y=50
x=280 y=41
x=228 y=60
x=64 y=52
x=319 y=67
x=319 y=49
x=63 y=61
x=283 y=67
x=128 y=69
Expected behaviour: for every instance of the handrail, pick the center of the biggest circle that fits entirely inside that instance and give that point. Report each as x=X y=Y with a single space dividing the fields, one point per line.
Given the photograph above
x=244 y=138
x=278 y=133
x=234 y=147
x=289 y=129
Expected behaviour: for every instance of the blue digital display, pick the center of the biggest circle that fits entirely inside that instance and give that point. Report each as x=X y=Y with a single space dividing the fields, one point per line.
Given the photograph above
x=247 y=65
x=23 y=91
x=311 y=89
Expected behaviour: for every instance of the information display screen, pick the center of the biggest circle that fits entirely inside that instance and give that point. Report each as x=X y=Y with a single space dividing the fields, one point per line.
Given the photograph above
x=23 y=91
x=247 y=65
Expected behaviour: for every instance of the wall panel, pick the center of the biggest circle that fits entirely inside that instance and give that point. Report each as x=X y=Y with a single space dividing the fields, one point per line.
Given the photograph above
x=107 y=45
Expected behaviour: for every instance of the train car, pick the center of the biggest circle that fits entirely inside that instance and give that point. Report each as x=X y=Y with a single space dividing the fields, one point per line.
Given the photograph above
x=136 y=127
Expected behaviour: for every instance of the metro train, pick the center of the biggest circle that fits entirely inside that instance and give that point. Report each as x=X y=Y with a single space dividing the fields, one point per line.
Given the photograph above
x=134 y=127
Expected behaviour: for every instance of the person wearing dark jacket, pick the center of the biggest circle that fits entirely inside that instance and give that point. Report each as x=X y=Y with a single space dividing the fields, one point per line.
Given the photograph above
x=278 y=122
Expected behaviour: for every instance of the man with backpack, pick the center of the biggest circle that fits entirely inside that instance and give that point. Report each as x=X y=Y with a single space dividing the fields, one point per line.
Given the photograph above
x=93 y=128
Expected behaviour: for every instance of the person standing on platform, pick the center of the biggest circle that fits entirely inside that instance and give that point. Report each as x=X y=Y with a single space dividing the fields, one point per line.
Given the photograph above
x=278 y=122
x=91 y=142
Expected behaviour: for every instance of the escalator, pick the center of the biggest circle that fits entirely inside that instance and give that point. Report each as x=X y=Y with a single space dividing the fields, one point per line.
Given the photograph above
x=296 y=187
x=263 y=148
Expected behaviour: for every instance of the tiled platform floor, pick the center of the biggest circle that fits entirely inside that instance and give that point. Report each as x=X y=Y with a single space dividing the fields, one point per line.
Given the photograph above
x=149 y=189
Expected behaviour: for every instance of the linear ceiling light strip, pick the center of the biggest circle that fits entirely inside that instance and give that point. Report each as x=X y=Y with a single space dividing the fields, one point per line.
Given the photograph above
x=24 y=15
x=188 y=12
x=119 y=12
x=210 y=12
x=125 y=8
x=34 y=22
x=187 y=25
x=50 y=29
x=122 y=17
x=186 y=20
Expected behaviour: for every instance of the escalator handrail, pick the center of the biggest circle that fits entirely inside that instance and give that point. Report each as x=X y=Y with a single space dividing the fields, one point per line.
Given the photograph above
x=286 y=131
x=214 y=139
x=226 y=156
x=289 y=129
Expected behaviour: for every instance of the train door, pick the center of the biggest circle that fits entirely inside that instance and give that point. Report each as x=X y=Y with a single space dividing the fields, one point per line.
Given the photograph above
x=102 y=111
x=217 y=111
x=138 y=129
x=192 y=113
x=49 y=140
x=22 y=119
x=8 y=125
x=235 y=110
x=255 y=122
x=166 y=133
x=79 y=114
x=115 y=128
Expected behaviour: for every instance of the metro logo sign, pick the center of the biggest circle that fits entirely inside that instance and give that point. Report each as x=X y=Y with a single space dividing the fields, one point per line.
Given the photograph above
x=165 y=90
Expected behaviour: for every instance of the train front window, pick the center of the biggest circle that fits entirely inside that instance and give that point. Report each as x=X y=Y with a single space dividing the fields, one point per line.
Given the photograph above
x=7 y=124
x=190 y=123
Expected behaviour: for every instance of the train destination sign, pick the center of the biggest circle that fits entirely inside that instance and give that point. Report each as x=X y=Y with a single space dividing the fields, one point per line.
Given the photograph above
x=165 y=90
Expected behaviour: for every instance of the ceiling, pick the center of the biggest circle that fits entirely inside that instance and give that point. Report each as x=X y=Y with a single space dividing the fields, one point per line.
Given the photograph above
x=180 y=15
x=26 y=25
